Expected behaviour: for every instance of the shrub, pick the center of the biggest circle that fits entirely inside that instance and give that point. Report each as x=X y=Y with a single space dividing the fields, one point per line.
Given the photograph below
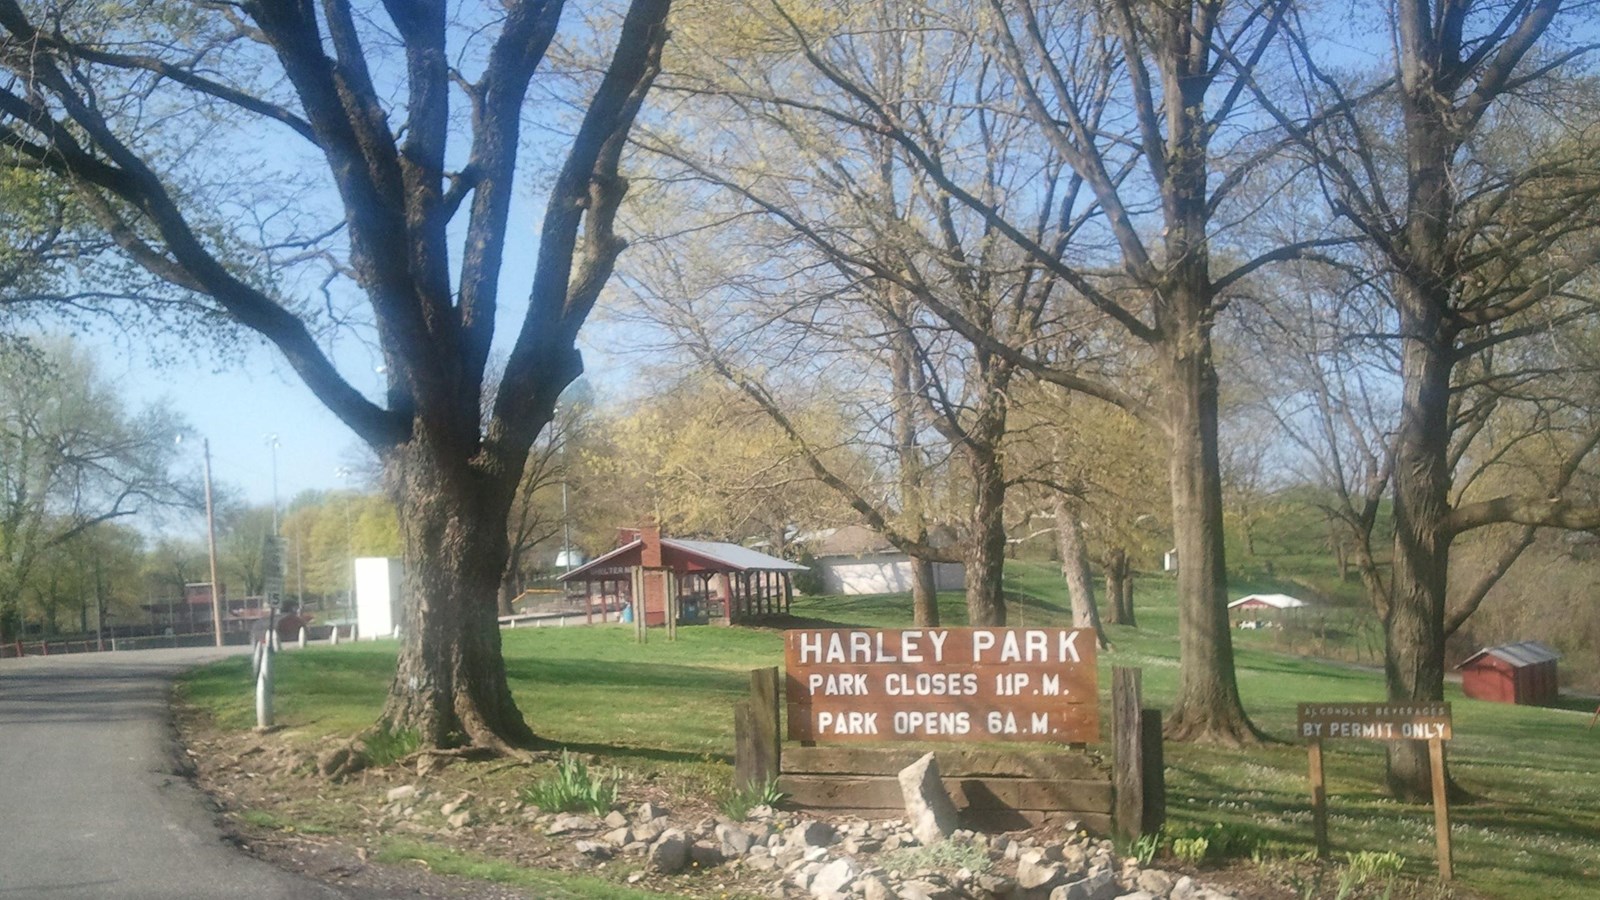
x=1366 y=867
x=737 y=802
x=573 y=789
x=383 y=747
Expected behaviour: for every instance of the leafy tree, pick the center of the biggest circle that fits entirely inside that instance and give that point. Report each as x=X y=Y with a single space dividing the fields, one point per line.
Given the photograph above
x=703 y=460
x=71 y=458
x=1123 y=187
x=265 y=160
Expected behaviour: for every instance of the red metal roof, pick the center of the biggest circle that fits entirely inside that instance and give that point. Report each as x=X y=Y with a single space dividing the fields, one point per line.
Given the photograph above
x=690 y=556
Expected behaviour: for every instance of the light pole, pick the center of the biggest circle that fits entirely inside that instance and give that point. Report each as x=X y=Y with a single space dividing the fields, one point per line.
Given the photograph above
x=345 y=473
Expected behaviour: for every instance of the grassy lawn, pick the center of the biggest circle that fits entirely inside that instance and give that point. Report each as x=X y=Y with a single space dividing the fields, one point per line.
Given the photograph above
x=663 y=711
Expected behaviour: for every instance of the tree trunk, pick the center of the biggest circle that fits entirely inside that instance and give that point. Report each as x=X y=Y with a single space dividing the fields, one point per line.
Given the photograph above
x=1208 y=707
x=450 y=683
x=1075 y=565
x=904 y=368
x=986 y=603
x=924 y=593
x=510 y=584
x=1414 y=627
x=1125 y=596
x=1116 y=568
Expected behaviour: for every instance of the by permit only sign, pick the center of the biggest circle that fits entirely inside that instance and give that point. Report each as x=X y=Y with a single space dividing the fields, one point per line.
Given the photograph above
x=1376 y=721
x=949 y=684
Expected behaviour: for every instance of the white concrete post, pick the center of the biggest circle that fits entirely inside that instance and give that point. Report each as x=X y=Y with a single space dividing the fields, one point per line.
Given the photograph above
x=264 y=690
x=302 y=637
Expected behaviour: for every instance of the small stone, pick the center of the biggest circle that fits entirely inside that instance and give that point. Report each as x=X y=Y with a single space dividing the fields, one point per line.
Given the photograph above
x=933 y=816
x=924 y=890
x=815 y=854
x=593 y=849
x=403 y=792
x=1155 y=881
x=649 y=812
x=615 y=819
x=1099 y=886
x=833 y=878
x=997 y=885
x=1139 y=895
x=1182 y=889
x=735 y=841
x=705 y=854
x=646 y=832
x=762 y=813
x=565 y=824
x=460 y=820
x=811 y=833
x=620 y=837
x=1035 y=873
x=670 y=854
x=761 y=863
x=454 y=806
x=802 y=874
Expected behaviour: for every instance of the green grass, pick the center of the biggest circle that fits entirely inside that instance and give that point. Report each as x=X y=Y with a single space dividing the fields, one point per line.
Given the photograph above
x=663 y=712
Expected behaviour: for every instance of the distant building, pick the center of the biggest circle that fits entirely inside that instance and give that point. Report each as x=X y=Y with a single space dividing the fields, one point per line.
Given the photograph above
x=1262 y=610
x=192 y=614
x=1522 y=673
x=719 y=582
x=856 y=560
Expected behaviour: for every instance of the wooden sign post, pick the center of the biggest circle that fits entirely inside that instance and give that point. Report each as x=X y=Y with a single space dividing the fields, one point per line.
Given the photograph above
x=1379 y=722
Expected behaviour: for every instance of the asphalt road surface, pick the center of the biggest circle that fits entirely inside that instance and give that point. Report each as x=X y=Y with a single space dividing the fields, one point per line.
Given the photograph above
x=91 y=802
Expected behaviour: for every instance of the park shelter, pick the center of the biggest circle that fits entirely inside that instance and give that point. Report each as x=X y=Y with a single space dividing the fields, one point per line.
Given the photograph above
x=721 y=582
x=1266 y=602
x=1264 y=610
x=1522 y=673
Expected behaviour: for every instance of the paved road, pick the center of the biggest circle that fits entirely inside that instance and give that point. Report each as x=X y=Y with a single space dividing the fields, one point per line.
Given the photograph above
x=89 y=803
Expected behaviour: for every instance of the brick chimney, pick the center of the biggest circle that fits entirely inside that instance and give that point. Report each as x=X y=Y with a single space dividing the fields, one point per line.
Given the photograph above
x=650 y=554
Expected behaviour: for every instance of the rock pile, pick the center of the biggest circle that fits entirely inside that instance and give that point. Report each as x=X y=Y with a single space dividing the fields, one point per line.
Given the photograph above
x=800 y=856
x=922 y=857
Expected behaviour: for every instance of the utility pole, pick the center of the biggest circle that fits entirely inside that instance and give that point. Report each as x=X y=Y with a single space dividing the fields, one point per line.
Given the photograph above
x=272 y=444
x=211 y=546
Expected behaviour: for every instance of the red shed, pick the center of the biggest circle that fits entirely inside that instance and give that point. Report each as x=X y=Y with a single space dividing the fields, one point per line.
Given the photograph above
x=1523 y=673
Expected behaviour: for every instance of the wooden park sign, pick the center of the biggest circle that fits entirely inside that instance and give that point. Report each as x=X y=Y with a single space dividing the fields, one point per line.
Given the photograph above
x=1379 y=722
x=950 y=684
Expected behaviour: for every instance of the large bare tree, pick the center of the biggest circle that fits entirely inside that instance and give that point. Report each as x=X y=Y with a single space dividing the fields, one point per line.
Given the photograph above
x=1485 y=240
x=409 y=119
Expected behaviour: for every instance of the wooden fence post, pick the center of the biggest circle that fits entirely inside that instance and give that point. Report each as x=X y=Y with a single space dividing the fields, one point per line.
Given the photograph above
x=1153 y=771
x=755 y=732
x=1319 y=796
x=1137 y=780
x=1126 y=701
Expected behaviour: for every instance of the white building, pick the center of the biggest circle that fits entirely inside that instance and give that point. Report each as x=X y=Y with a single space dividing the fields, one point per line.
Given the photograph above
x=857 y=560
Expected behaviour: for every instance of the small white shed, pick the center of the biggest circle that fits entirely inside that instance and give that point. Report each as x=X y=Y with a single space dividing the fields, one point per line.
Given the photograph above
x=855 y=560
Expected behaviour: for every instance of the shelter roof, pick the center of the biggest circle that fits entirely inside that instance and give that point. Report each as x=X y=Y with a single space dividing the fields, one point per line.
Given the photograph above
x=1276 y=601
x=704 y=556
x=1525 y=653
